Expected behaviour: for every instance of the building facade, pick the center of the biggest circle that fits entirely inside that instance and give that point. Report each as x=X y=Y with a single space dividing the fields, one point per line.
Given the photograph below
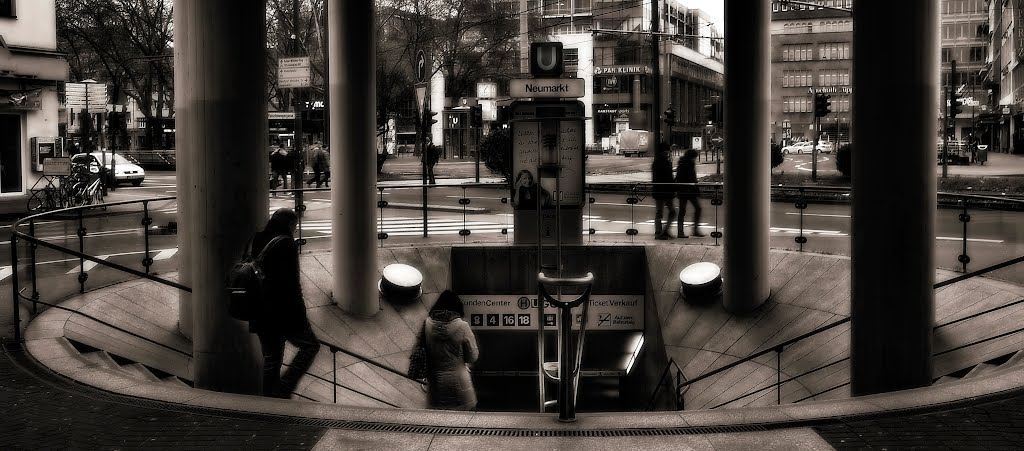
x=1002 y=83
x=811 y=53
x=965 y=39
x=30 y=68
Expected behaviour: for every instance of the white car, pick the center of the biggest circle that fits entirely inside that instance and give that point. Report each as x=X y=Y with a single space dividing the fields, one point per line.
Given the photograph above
x=825 y=147
x=798 y=147
x=124 y=170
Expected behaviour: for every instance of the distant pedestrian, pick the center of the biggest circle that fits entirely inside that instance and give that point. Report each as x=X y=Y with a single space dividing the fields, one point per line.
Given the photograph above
x=321 y=166
x=450 y=347
x=664 y=193
x=280 y=165
x=284 y=317
x=686 y=173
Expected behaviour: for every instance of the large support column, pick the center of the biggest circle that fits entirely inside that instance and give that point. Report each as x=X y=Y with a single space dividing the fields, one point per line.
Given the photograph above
x=353 y=216
x=747 y=195
x=895 y=56
x=219 y=67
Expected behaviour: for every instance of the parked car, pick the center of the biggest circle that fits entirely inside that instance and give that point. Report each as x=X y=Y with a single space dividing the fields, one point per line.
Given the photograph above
x=798 y=147
x=825 y=147
x=124 y=170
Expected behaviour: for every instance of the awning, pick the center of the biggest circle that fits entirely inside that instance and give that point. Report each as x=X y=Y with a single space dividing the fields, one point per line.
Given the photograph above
x=29 y=63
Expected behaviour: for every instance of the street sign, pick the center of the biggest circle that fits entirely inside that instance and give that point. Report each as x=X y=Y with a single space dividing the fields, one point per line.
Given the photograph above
x=421 y=95
x=547 y=88
x=546 y=59
x=57 y=166
x=421 y=67
x=294 y=72
x=281 y=116
x=717 y=139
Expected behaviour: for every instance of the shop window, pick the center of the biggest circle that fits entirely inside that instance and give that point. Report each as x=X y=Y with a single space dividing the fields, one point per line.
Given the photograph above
x=10 y=153
x=7 y=9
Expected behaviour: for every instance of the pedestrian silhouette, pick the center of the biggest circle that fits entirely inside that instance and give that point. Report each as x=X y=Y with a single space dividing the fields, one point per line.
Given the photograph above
x=284 y=313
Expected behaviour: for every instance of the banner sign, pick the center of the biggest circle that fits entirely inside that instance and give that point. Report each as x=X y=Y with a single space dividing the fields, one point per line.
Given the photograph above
x=519 y=312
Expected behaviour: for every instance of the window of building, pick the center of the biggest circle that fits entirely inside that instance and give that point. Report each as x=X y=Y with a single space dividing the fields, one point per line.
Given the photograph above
x=10 y=153
x=946 y=54
x=7 y=8
x=834 y=77
x=840 y=103
x=796 y=78
x=977 y=54
x=571 y=59
x=796 y=104
x=796 y=52
x=834 y=50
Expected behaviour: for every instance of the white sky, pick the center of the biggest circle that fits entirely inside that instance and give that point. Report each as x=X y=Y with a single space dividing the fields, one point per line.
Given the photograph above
x=714 y=8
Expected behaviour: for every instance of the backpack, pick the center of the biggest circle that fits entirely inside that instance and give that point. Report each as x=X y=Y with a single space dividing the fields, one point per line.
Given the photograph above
x=245 y=283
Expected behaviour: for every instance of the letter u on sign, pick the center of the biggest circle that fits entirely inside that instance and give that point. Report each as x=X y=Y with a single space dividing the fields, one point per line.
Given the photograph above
x=546 y=59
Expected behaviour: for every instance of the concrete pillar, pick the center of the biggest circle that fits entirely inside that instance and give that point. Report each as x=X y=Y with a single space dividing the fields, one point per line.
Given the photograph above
x=895 y=79
x=353 y=158
x=747 y=165
x=219 y=72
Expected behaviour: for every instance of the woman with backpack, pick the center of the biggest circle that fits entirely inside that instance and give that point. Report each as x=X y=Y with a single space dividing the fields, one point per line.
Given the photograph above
x=284 y=313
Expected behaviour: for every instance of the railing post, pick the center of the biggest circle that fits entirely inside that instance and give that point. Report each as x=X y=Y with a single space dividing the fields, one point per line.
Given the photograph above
x=964 y=218
x=679 y=393
x=464 y=201
x=778 y=375
x=801 y=205
x=632 y=200
x=590 y=218
x=147 y=261
x=381 y=234
x=82 y=276
x=334 y=372
x=300 y=210
x=717 y=202
x=32 y=248
x=14 y=287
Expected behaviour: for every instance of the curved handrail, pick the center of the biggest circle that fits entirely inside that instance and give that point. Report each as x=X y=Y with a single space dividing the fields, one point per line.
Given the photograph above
x=784 y=344
x=335 y=348
x=680 y=388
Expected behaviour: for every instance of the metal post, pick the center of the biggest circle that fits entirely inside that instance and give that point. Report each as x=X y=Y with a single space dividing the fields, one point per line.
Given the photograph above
x=964 y=218
x=655 y=117
x=298 y=167
x=814 y=149
x=778 y=375
x=147 y=261
x=82 y=276
x=424 y=148
x=14 y=287
x=32 y=247
x=566 y=403
x=334 y=372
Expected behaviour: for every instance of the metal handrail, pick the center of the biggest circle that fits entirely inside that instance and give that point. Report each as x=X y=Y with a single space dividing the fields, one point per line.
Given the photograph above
x=81 y=255
x=680 y=389
x=847 y=319
x=769 y=387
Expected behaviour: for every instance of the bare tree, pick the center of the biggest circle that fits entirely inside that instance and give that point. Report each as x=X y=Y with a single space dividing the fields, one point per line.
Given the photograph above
x=126 y=43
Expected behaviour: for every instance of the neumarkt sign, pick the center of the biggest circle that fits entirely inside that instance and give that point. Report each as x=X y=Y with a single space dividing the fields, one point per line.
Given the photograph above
x=547 y=88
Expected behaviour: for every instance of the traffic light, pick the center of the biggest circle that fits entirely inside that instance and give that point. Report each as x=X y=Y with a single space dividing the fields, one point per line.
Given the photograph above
x=709 y=114
x=429 y=119
x=955 y=106
x=503 y=114
x=670 y=116
x=476 y=116
x=822 y=105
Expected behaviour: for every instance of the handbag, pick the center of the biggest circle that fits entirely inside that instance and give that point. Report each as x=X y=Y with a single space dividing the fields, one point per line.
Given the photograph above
x=418 y=360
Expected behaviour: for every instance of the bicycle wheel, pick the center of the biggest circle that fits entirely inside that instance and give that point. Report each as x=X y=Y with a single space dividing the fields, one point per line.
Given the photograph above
x=37 y=200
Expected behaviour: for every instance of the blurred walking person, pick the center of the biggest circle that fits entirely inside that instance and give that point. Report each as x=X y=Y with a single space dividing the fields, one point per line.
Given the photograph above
x=664 y=193
x=686 y=176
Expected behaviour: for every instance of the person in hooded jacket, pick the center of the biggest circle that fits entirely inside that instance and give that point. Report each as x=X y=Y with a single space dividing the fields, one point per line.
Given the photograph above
x=450 y=346
x=284 y=315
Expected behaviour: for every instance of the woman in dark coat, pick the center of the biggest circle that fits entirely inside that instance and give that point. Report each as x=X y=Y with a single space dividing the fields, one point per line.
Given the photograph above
x=664 y=194
x=450 y=346
x=284 y=315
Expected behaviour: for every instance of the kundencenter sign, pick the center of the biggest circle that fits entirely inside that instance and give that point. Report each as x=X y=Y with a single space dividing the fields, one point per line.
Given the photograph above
x=547 y=88
x=519 y=312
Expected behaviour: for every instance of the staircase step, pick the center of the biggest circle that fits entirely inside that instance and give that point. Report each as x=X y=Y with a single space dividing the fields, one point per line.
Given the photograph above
x=102 y=359
x=173 y=380
x=944 y=379
x=982 y=368
x=140 y=370
x=1015 y=359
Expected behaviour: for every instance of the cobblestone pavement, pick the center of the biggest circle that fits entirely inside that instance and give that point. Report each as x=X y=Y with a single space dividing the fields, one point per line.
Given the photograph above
x=996 y=425
x=43 y=412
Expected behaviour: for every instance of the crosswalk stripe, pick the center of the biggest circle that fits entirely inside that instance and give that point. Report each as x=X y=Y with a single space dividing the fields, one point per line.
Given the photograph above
x=165 y=254
x=5 y=272
x=88 y=264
